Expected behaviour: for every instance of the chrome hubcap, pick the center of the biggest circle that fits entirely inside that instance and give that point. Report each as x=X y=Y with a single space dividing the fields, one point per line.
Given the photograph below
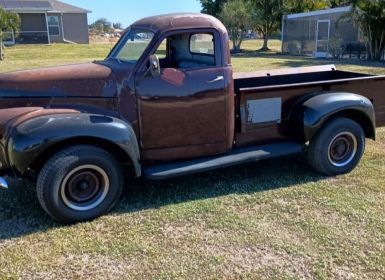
x=85 y=187
x=342 y=149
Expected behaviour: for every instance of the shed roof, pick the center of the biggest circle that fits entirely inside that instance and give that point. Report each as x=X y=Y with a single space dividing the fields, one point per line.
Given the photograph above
x=321 y=12
x=40 y=5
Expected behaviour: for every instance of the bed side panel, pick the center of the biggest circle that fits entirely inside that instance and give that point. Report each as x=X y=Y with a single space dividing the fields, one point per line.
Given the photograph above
x=373 y=89
x=263 y=127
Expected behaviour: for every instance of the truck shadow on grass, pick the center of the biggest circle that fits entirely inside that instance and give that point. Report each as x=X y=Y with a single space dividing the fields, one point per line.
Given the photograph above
x=20 y=212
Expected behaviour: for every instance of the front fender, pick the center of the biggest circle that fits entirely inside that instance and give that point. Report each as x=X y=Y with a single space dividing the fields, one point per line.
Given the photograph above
x=30 y=139
x=314 y=112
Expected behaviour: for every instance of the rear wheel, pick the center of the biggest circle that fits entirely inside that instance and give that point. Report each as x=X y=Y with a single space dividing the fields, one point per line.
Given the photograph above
x=79 y=183
x=337 y=148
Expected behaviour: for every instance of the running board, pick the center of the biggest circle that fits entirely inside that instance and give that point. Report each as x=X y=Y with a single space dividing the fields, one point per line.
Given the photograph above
x=236 y=157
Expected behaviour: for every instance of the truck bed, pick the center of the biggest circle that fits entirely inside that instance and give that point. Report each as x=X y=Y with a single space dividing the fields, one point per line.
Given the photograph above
x=264 y=98
x=292 y=77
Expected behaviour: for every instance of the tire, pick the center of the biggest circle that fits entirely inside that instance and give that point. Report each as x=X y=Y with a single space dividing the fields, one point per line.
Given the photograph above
x=79 y=183
x=337 y=148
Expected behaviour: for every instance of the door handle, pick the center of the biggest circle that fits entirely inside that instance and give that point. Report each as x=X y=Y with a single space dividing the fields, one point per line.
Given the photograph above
x=217 y=79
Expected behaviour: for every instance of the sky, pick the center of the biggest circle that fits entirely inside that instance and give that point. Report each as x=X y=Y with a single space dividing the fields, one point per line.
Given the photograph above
x=128 y=11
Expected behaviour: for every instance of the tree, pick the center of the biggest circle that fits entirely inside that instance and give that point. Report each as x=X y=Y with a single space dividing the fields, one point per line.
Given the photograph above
x=266 y=17
x=236 y=16
x=370 y=16
x=9 y=21
x=212 y=7
x=338 y=3
x=117 y=25
x=301 y=6
x=102 y=25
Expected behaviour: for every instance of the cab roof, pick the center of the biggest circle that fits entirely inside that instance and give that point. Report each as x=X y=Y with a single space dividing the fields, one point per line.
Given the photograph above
x=169 y=22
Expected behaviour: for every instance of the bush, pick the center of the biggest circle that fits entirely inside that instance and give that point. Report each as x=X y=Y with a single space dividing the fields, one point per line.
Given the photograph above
x=294 y=47
x=336 y=48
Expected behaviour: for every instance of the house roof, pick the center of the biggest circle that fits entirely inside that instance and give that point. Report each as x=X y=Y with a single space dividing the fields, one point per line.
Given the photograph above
x=67 y=8
x=41 y=5
x=321 y=12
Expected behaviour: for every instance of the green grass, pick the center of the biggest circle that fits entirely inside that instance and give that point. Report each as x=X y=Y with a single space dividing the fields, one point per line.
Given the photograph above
x=270 y=220
x=32 y=56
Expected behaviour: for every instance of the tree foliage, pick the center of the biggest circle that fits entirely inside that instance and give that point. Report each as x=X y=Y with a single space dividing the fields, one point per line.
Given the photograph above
x=300 y=6
x=370 y=16
x=266 y=17
x=9 y=21
x=213 y=7
x=338 y=3
x=236 y=16
x=117 y=25
x=102 y=25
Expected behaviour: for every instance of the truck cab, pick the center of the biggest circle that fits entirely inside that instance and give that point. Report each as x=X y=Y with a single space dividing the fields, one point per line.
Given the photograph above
x=183 y=85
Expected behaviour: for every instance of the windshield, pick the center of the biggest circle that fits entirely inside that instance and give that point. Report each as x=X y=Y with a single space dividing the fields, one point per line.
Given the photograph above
x=133 y=45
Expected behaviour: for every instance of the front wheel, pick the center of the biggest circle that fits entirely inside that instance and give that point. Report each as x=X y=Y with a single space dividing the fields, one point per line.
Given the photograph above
x=337 y=148
x=79 y=183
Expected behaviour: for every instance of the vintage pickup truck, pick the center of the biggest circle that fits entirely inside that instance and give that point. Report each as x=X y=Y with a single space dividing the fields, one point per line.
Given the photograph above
x=165 y=103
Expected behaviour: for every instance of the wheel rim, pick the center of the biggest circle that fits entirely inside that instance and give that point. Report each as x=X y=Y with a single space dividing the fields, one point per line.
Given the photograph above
x=342 y=149
x=85 y=187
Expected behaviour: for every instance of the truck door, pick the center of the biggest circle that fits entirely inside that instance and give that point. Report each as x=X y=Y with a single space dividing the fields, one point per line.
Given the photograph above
x=182 y=111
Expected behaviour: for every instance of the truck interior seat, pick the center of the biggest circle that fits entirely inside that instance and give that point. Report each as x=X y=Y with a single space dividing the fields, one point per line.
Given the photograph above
x=181 y=56
x=191 y=64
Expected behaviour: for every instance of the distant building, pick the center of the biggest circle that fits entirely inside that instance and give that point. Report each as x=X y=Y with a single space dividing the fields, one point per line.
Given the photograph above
x=47 y=21
x=316 y=33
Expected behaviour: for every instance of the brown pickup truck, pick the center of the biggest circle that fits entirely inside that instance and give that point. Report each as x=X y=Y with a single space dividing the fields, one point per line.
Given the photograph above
x=165 y=103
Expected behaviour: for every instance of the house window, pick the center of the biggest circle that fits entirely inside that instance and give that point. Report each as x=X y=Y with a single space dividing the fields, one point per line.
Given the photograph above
x=53 y=25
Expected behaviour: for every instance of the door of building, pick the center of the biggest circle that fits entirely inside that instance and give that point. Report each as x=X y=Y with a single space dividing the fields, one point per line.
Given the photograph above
x=322 y=38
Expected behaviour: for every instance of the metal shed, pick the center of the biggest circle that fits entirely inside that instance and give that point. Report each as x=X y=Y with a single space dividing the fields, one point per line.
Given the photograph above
x=315 y=33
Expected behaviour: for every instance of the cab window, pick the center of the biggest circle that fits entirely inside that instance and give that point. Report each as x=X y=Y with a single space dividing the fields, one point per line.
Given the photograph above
x=136 y=42
x=187 y=51
x=202 y=44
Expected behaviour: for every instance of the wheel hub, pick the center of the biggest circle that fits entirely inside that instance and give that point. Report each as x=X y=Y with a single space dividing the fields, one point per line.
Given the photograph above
x=342 y=149
x=85 y=187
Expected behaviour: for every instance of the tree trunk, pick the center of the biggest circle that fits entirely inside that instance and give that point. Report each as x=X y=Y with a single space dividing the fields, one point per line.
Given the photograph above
x=265 y=46
x=237 y=40
x=1 y=48
x=375 y=50
x=234 y=35
x=375 y=42
x=234 y=45
x=240 y=41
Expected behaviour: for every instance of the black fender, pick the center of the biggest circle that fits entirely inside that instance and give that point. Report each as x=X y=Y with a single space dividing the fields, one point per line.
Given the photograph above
x=30 y=139
x=311 y=113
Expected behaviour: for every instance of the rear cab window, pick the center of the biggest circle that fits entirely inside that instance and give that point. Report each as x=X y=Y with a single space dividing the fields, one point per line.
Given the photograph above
x=202 y=44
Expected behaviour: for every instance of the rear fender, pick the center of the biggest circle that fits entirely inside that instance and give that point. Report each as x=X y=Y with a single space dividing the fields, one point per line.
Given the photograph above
x=311 y=114
x=29 y=140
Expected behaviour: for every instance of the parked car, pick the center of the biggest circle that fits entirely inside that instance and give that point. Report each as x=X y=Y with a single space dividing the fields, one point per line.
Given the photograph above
x=165 y=103
x=250 y=34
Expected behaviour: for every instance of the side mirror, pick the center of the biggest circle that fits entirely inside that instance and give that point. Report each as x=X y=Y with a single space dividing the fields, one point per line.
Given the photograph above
x=154 y=65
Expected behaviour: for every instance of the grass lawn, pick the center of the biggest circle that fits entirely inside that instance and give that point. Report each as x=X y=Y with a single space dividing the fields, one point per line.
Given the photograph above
x=275 y=219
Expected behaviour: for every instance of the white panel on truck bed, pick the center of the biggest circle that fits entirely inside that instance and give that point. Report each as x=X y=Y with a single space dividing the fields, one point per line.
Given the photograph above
x=264 y=110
